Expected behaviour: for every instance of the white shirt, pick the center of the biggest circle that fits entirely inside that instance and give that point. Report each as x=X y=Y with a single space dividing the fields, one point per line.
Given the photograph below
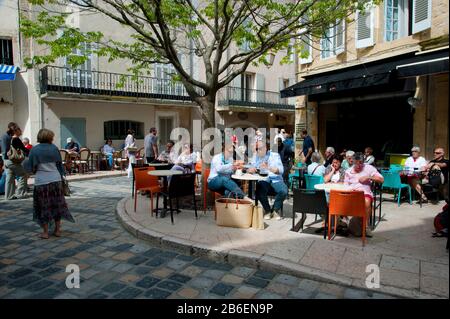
x=220 y=166
x=319 y=171
x=411 y=164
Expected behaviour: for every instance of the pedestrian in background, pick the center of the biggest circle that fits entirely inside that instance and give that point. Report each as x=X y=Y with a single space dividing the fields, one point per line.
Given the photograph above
x=13 y=154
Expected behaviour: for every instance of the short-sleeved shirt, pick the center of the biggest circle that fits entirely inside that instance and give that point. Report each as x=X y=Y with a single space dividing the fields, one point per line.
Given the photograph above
x=338 y=177
x=149 y=141
x=352 y=178
x=316 y=169
x=418 y=163
x=444 y=170
x=307 y=144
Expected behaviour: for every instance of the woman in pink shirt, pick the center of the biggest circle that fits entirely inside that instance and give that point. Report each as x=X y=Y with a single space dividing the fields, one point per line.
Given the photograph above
x=360 y=177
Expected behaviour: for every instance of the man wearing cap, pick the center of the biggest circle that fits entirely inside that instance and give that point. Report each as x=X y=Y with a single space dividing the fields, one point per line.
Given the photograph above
x=72 y=146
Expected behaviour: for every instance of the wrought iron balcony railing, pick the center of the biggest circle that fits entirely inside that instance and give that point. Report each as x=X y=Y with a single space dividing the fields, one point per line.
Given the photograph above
x=66 y=80
x=235 y=96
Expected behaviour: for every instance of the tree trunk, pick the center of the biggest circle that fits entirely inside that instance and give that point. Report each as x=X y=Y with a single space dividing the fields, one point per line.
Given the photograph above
x=207 y=106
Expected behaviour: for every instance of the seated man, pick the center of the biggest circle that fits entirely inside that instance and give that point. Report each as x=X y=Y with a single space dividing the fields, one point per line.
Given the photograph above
x=438 y=171
x=72 y=146
x=222 y=167
x=360 y=177
x=413 y=165
x=168 y=155
x=109 y=150
x=270 y=163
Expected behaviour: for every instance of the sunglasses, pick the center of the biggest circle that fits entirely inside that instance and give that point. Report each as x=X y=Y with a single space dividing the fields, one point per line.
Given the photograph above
x=438 y=153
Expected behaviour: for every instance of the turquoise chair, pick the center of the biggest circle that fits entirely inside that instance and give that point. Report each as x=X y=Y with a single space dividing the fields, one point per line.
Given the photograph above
x=312 y=180
x=392 y=181
x=295 y=178
x=395 y=167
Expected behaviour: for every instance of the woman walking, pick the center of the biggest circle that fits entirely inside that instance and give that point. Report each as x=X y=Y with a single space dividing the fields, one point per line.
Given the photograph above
x=13 y=154
x=130 y=149
x=48 y=196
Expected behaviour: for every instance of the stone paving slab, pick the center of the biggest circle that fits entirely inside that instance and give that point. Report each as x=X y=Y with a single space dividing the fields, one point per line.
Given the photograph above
x=402 y=247
x=114 y=264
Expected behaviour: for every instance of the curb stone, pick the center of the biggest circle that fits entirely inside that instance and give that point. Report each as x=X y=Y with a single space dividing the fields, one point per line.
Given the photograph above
x=245 y=258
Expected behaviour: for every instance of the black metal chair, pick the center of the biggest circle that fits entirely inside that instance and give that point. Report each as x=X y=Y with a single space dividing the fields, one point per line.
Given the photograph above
x=180 y=186
x=376 y=204
x=309 y=202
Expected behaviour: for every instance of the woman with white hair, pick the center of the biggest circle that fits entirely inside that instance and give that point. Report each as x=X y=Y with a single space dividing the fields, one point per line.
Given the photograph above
x=348 y=161
x=413 y=165
x=315 y=168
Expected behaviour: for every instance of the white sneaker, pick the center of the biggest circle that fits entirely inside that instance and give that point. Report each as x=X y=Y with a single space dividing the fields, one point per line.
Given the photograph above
x=267 y=216
x=276 y=216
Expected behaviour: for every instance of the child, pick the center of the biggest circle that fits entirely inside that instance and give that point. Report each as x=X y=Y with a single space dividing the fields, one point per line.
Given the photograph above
x=368 y=157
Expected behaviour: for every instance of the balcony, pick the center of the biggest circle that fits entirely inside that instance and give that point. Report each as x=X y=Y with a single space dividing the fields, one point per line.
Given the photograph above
x=83 y=82
x=235 y=96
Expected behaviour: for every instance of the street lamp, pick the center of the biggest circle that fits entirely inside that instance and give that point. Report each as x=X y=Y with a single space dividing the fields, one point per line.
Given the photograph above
x=271 y=59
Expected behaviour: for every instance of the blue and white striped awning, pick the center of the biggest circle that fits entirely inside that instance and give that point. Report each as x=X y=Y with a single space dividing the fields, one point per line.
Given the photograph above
x=8 y=72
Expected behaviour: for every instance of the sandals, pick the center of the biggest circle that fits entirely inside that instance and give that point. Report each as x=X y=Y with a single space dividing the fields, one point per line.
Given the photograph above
x=42 y=236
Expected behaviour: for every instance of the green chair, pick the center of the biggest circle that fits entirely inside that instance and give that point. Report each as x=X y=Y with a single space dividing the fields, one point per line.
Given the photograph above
x=392 y=181
x=295 y=178
x=312 y=180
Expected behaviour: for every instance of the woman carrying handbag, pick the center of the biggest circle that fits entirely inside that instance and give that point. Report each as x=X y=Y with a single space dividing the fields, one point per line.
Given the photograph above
x=14 y=153
x=48 y=196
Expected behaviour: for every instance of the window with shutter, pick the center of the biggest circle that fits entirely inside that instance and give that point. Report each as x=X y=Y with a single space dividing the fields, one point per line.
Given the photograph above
x=340 y=37
x=421 y=15
x=306 y=50
x=364 y=28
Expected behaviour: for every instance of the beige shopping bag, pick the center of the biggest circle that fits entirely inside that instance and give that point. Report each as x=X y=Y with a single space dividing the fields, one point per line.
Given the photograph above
x=234 y=212
x=258 y=219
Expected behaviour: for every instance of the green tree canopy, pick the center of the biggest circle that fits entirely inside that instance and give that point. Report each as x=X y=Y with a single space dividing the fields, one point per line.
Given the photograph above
x=162 y=30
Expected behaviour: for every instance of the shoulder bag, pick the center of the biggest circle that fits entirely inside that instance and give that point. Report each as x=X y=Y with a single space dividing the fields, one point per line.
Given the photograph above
x=15 y=155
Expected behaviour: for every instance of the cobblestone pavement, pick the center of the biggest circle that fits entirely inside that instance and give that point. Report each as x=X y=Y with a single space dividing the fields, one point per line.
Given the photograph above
x=114 y=264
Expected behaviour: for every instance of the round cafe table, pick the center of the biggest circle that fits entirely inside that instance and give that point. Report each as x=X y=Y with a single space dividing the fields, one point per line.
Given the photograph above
x=250 y=178
x=327 y=187
x=164 y=174
x=157 y=164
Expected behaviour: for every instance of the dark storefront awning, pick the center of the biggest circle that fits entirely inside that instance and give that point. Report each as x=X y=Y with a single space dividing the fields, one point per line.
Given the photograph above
x=380 y=72
x=433 y=66
x=8 y=72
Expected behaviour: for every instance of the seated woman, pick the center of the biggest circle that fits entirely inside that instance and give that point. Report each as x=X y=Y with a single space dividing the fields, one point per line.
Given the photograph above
x=368 y=157
x=413 y=165
x=348 y=161
x=109 y=150
x=186 y=160
x=334 y=173
x=315 y=168
x=360 y=178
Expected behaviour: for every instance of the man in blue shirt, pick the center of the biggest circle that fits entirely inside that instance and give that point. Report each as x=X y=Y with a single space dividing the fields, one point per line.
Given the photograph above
x=308 y=147
x=268 y=162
